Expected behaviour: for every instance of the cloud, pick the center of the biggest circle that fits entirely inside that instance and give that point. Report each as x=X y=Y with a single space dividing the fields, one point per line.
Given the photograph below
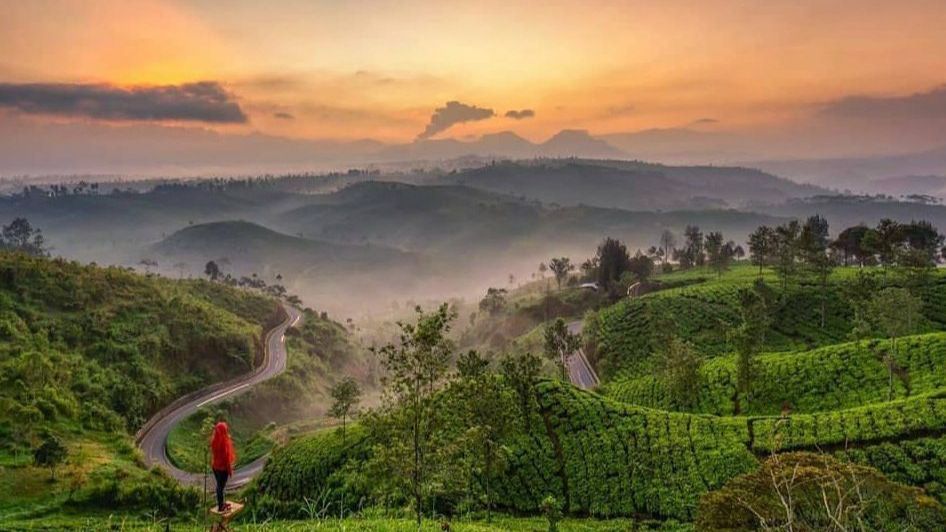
x=453 y=113
x=704 y=122
x=283 y=116
x=204 y=101
x=520 y=114
x=930 y=105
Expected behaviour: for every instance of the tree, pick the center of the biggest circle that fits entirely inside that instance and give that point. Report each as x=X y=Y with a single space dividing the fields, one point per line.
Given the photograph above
x=718 y=253
x=667 y=243
x=542 y=269
x=813 y=247
x=494 y=302
x=212 y=271
x=922 y=237
x=808 y=491
x=896 y=313
x=762 y=245
x=148 y=264
x=485 y=409
x=521 y=370
x=680 y=371
x=692 y=254
x=786 y=250
x=561 y=267
x=50 y=453
x=20 y=236
x=641 y=266
x=416 y=370
x=849 y=245
x=560 y=343
x=345 y=395
x=612 y=261
x=748 y=337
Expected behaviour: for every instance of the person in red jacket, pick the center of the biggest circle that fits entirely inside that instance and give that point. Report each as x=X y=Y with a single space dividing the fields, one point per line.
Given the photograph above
x=223 y=458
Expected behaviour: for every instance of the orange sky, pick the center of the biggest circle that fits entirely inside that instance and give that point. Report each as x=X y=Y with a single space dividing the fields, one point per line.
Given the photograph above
x=378 y=69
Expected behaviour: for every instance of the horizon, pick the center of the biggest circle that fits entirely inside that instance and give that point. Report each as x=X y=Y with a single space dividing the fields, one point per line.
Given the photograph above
x=715 y=82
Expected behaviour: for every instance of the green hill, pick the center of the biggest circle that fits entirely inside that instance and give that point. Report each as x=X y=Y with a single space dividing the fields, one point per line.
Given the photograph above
x=251 y=247
x=87 y=354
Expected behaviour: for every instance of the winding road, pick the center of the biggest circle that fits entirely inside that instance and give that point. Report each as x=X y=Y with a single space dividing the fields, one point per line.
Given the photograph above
x=153 y=436
x=580 y=371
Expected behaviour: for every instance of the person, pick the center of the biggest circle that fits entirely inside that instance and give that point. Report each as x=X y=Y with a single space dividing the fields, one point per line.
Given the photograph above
x=223 y=458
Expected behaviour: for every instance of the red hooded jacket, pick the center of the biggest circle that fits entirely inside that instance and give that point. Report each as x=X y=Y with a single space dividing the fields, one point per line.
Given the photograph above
x=221 y=447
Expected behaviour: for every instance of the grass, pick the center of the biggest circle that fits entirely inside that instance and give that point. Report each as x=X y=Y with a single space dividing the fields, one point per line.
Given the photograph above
x=350 y=524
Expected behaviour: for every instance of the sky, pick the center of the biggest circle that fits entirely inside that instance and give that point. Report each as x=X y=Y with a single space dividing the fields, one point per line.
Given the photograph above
x=398 y=71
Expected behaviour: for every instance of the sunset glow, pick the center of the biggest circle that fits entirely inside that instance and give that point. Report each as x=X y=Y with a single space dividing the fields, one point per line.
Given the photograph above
x=378 y=69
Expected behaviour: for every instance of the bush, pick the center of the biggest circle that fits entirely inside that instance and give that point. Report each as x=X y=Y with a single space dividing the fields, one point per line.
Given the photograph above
x=806 y=491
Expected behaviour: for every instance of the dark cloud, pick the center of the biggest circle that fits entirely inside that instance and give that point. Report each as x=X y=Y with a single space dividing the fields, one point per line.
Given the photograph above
x=919 y=106
x=704 y=122
x=453 y=113
x=283 y=116
x=205 y=101
x=520 y=114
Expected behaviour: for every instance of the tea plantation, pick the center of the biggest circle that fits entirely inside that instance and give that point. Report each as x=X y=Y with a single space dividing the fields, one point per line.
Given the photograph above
x=631 y=449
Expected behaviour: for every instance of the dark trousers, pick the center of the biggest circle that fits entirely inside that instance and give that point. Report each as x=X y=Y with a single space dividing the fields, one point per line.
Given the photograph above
x=221 y=477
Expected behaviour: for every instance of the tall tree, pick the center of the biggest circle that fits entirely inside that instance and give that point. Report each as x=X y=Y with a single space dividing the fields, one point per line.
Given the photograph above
x=719 y=253
x=613 y=261
x=561 y=267
x=786 y=250
x=680 y=371
x=693 y=247
x=748 y=338
x=521 y=370
x=486 y=412
x=345 y=395
x=667 y=242
x=416 y=370
x=560 y=343
x=849 y=245
x=896 y=313
x=813 y=246
x=762 y=245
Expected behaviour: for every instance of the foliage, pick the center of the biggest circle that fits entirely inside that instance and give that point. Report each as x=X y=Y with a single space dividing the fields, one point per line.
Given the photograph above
x=560 y=343
x=680 y=372
x=804 y=491
x=561 y=267
x=345 y=395
x=406 y=429
x=494 y=302
x=51 y=453
x=22 y=237
x=612 y=261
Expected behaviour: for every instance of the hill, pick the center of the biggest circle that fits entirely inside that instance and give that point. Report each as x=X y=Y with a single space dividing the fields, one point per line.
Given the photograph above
x=88 y=354
x=631 y=185
x=253 y=248
x=441 y=220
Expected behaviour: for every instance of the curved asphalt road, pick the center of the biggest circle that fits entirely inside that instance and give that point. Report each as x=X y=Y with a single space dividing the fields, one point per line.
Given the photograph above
x=580 y=371
x=152 y=438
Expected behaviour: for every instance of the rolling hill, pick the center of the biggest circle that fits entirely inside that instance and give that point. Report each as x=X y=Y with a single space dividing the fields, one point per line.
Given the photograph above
x=631 y=185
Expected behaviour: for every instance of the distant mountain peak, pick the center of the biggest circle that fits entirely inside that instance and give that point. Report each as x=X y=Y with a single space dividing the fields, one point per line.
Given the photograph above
x=578 y=143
